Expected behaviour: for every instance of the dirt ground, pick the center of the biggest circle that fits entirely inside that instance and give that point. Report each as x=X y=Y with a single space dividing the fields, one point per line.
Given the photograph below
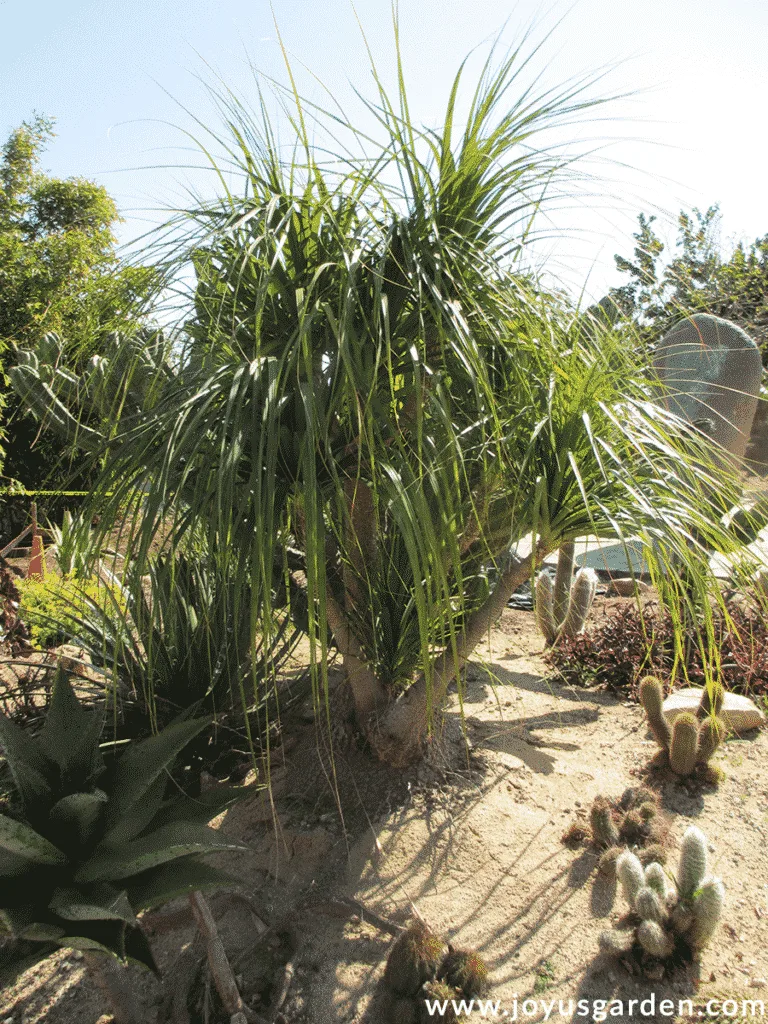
x=472 y=839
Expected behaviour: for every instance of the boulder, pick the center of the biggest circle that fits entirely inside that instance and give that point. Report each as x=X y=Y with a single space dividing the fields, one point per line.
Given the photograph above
x=626 y=586
x=711 y=373
x=739 y=713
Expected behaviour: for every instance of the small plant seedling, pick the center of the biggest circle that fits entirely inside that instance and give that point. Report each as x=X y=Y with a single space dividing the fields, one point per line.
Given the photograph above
x=545 y=977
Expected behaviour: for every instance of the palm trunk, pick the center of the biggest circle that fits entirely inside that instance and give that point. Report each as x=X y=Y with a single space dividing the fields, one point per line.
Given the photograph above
x=398 y=734
x=368 y=692
x=563 y=580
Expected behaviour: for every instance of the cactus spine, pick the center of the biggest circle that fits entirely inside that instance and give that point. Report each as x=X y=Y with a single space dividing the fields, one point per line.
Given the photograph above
x=563 y=610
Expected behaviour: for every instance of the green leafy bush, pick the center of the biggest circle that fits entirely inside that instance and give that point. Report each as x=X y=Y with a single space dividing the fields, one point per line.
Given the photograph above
x=53 y=607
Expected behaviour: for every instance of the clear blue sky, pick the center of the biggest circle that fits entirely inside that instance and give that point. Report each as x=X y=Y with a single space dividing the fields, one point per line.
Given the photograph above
x=104 y=70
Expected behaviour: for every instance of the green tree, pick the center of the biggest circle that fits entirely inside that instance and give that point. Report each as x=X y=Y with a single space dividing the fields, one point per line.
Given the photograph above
x=59 y=272
x=698 y=279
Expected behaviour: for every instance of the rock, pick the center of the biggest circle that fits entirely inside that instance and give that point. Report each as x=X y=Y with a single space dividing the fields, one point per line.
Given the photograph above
x=626 y=586
x=758 y=983
x=739 y=713
x=711 y=372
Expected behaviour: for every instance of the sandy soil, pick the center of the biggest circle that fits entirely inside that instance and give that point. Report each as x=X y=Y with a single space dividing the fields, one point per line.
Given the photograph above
x=472 y=839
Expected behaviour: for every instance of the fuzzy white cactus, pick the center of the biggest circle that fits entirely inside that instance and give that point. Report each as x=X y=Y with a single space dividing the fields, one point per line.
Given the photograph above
x=668 y=914
x=562 y=610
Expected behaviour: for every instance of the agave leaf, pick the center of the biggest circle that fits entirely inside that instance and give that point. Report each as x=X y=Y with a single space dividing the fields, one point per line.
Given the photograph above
x=18 y=956
x=79 y=813
x=177 y=839
x=139 y=817
x=13 y=920
x=202 y=808
x=113 y=938
x=41 y=932
x=138 y=768
x=30 y=768
x=95 y=903
x=18 y=838
x=190 y=874
x=12 y=865
x=139 y=950
x=99 y=936
x=70 y=734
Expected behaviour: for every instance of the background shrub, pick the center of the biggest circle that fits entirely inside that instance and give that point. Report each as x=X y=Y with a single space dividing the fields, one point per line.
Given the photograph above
x=631 y=643
x=53 y=607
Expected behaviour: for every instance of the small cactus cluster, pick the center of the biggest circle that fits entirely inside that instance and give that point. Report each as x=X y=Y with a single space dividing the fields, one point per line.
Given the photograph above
x=421 y=966
x=668 y=919
x=562 y=609
x=633 y=821
x=692 y=739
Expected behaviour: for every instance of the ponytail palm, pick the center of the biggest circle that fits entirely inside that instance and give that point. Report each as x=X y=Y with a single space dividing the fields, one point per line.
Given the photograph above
x=376 y=404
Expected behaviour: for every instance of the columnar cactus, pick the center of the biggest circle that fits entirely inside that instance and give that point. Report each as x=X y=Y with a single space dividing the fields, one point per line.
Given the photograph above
x=652 y=700
x=604 y=832
x=683 y=748
x=563 y=610
x=692 y=739
x=693 y=862
x=668 y=919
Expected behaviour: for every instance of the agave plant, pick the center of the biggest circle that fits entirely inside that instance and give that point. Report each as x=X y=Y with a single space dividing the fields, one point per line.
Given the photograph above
x=90 y=839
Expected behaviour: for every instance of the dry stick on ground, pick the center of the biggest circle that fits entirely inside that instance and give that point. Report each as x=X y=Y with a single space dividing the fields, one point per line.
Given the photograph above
x=223 y=975
x=344 y=906
x=281 y=992
x=173 y=920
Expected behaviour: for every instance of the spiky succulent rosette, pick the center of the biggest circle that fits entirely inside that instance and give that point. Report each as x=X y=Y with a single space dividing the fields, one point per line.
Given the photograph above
x=87 y=841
